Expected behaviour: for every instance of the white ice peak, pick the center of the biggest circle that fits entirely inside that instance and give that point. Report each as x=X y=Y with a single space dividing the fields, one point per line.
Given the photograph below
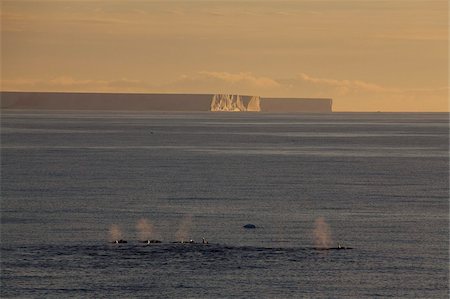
x=229 y=102
x=254 y=104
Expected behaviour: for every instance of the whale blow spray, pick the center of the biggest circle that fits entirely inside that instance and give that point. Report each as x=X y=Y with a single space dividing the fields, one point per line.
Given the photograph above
x=145 y=229
x=321 y=233
x=115 y=233
x=184 y=229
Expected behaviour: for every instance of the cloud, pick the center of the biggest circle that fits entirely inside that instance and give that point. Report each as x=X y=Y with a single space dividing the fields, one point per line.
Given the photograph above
x=68 y=83
x=208 y=81
x=348 y=95
x=344 y=87
x=199 y=82
x=435 y=35
x=358 y=95
x=242 y=78
x=347 y=87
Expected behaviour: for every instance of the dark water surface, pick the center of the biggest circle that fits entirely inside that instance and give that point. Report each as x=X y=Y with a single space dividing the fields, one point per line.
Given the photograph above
x=380 y=181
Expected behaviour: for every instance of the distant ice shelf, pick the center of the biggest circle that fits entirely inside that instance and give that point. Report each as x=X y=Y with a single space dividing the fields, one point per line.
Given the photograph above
x=161 y=102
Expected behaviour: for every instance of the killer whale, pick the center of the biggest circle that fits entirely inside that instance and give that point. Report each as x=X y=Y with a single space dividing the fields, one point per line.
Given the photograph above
x=119 y=241
x=150 y=241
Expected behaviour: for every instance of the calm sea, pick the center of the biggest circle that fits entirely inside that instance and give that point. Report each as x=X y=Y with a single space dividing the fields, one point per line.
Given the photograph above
x=375 y=182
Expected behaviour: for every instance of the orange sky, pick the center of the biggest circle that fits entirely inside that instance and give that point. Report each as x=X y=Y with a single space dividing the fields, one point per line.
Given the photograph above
x=368 y=55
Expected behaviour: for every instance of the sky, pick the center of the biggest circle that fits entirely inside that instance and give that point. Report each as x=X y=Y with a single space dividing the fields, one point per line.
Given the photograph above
x=367 y=55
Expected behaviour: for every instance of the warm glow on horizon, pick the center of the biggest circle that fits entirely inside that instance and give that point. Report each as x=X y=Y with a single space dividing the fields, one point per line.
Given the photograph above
x=368 y=55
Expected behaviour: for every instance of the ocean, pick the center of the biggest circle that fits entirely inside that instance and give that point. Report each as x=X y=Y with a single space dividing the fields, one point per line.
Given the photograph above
x=375 y=183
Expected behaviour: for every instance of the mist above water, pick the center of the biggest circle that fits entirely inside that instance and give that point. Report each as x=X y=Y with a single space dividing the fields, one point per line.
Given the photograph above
x=184 y=230
x=146 y=230
x=322 y=233
x=115 y=233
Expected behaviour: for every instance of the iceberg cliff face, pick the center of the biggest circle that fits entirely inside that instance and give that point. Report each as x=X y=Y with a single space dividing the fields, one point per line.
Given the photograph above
x=234 y=103
x=254 y=104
